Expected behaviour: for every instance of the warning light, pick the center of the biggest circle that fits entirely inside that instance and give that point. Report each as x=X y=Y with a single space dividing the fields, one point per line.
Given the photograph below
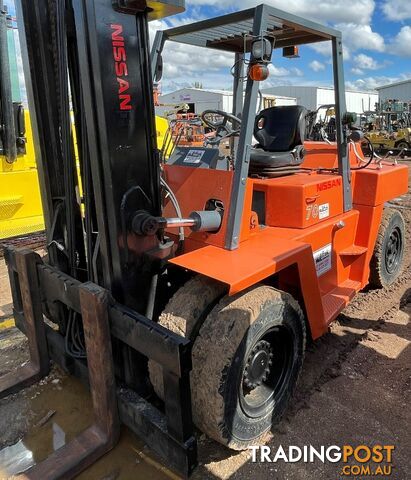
x=258 y=72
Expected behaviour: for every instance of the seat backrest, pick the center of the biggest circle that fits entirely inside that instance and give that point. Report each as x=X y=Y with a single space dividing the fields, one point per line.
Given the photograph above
x=281 y=129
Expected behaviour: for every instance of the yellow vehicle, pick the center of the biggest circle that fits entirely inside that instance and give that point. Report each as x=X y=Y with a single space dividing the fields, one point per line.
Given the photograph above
x=384 y=139
x=390 y=126
x=20 y=203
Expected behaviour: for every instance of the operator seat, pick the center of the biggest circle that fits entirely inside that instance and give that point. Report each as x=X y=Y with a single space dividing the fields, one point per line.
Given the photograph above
x=280 y=132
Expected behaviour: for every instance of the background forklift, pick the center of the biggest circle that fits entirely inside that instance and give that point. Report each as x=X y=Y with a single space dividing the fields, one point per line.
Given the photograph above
x=187 y=263
x=389 y=127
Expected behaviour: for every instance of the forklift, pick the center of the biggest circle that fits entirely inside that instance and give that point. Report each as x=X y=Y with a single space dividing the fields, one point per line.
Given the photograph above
x=389 y=127
x=181 y=288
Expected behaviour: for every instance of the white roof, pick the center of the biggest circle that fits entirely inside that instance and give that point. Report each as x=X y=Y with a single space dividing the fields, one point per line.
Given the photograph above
x=370 y=92
x=216 y=91
x=403 y=82
x=209 y=90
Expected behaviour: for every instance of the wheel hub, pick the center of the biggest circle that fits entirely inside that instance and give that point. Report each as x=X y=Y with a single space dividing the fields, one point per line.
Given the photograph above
x=258 y=365
x=393 y=251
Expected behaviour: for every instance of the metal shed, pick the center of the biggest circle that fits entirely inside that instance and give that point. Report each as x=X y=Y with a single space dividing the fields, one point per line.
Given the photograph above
x=396 y=91
x=204 y=99
x=313 y=97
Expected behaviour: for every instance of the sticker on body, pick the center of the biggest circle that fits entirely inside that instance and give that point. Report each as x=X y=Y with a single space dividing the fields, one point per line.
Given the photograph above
x=324 y=211
x=322 y=259
x=194 y=156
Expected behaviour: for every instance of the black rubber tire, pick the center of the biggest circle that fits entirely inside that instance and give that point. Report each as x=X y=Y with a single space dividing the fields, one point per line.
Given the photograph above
x=402 y=144
x=382 y=273
x=186 y=308
x=226 y=337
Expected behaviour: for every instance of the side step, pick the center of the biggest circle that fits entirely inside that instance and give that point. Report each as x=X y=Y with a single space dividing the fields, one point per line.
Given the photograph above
x=353 y=251
x=336 y=300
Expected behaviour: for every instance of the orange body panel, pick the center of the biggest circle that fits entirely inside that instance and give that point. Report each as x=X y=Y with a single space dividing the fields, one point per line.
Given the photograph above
x=373 y=186
x=193 y=187
x=325 y=233
x=298 y=201
x=322 y=261
x=324 y=155
x=320 y=154
x=258 y=258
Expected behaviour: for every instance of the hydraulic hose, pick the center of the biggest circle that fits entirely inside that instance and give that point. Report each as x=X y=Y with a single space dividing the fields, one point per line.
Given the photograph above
x=366 y=164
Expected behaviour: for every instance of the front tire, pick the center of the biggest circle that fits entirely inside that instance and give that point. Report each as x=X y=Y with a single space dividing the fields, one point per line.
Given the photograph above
x=184 y=314
x=387 y=261
x=246 y=362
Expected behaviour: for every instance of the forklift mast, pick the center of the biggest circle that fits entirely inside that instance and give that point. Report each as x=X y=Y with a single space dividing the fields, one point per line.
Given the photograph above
x=104 y=47
x=90 y=60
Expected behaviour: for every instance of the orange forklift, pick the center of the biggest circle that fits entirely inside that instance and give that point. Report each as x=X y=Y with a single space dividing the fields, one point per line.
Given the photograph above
x=184 y=290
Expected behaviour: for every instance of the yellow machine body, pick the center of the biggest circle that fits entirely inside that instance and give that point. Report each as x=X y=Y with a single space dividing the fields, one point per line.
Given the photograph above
x=384 y=139
x=20 y=202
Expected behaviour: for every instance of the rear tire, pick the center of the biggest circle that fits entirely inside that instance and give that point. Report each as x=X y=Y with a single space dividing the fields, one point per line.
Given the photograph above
x=237 y=395
x=387 y=261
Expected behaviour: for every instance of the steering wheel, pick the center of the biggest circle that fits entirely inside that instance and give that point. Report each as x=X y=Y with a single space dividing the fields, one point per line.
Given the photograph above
x=227 y=127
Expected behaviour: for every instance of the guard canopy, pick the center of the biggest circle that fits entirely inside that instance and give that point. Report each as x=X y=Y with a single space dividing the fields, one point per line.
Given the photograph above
x=234 y=32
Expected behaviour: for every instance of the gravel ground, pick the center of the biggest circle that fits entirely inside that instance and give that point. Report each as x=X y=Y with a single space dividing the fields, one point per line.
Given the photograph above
x=355 y=389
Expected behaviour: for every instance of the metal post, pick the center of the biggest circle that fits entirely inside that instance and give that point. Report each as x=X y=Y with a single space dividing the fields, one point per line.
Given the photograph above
x=44 y=186
x=242 y=162
x=40 y=38
x=9 y=129
x=177 y=399
x=340 y=110
x=156 y=50
x=238 y=95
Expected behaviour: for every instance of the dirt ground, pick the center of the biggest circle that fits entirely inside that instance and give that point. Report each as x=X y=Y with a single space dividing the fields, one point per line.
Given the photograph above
x=354 y=389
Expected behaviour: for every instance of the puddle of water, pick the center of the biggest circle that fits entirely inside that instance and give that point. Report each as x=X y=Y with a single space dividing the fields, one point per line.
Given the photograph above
x=14 y=459
x=129 y=460
x=65 y=409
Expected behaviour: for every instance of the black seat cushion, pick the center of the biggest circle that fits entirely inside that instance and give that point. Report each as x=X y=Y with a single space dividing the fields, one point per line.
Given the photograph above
x=280 y=132
x=278 y=159
x=280 y=129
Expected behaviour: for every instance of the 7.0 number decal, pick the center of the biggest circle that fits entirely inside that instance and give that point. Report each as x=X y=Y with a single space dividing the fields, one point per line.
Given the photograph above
x=312 y=211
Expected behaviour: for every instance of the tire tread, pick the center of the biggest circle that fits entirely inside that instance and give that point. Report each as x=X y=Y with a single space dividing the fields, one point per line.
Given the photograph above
x=377 y=278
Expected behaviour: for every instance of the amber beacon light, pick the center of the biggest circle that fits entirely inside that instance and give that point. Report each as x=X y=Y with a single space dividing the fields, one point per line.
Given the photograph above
x=258 y=72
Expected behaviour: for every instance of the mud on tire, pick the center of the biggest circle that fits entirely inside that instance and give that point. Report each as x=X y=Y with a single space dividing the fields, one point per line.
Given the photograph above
x=224 y=407
x=231 y=397
x=183 y=314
